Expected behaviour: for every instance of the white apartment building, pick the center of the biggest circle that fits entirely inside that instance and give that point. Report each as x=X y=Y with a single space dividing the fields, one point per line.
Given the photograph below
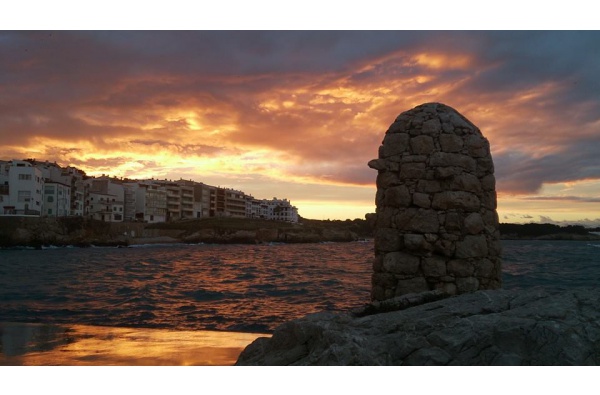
x=37 y=188
x=25 y=189
x=105 y=200
x=70 y=176
x=150 y=202
x=57 y=199
x=274 y=209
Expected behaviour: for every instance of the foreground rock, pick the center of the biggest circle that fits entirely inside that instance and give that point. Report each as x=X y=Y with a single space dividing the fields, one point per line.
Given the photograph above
x=496 y=327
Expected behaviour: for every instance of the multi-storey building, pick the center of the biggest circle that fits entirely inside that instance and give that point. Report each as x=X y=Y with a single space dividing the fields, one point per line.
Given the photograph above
x=30 y=187
x=225 y=202
x=57 y=199
x=187 y=201
x=70 y=176
x=274 y=209
x=201 y=200
x=105 y=200
x=25 y=190
x=149 y=201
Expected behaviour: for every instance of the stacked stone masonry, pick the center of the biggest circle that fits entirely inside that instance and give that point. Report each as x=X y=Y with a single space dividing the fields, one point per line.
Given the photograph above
x=436 y=220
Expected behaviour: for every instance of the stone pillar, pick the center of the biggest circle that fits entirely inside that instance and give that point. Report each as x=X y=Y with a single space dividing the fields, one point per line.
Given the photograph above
x=436 y=221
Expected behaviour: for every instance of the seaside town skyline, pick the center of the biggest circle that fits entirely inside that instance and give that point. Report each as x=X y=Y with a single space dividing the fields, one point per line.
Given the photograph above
x=299 y=114
x=44 y=189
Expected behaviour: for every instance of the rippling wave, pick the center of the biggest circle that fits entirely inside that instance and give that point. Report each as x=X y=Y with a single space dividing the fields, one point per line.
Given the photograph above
x=251 y=288
x=248 y=288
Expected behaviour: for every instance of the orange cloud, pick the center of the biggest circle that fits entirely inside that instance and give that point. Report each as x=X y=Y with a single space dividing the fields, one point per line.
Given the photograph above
x=314 y=117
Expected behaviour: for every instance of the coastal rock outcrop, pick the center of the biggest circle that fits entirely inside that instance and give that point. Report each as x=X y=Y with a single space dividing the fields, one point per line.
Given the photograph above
x=488 y=327
x=436 y=221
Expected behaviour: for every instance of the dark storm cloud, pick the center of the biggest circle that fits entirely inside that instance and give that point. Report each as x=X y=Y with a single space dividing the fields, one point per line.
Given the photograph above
x=522 y=172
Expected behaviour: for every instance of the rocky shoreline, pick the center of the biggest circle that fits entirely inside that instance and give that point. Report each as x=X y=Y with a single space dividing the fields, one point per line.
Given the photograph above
x=81 y=232
x=488 y=327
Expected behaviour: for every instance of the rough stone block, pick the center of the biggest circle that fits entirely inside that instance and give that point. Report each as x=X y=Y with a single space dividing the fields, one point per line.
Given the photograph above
x=460 y=268
x=488 y=183
x=444 y=159
x=453 y=222
x=397 y=196
x=458 y=121
x=474 y=223
x=398 y=127
x=444 y=247
x=447 y=172
x=428 y=186
x=387 y=239
x=451 y=143
x=421 y=199
x=401 y=263
x=434 y=266
x=466 y=182
x=472 y=247
x=377 y=164
x=485 y=166
x=456 y=200
x=385 y=217
x=432 y=126
x=488 y=200
x=386 y=179
x=414 y=285
x=416 y=243
x=422 y=145
x=468 y=284
x=412 y=170
x=484 y=269
x=424 y=221
x=395 y=143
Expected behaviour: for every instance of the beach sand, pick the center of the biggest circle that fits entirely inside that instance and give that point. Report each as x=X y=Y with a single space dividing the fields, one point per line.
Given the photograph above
x=77 y=345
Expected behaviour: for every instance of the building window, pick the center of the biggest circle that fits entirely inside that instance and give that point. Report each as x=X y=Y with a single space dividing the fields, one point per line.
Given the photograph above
x=49 y=211
x=23 y=196
x=50 y=199
x=49 y=191
x=24 y=176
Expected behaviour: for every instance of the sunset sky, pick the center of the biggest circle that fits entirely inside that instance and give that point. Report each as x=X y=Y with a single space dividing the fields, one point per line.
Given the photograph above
x=298 y=114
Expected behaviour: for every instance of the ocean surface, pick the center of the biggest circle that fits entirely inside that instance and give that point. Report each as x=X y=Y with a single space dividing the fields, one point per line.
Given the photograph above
x=236 y=288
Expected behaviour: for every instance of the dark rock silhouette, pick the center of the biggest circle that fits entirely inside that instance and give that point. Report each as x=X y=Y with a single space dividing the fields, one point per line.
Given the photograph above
x=496 y=327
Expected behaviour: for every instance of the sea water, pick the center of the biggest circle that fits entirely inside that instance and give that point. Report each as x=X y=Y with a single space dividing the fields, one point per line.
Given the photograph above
x=227 y=288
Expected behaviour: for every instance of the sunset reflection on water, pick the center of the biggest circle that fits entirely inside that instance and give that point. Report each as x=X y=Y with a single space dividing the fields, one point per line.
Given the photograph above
x=76 y=345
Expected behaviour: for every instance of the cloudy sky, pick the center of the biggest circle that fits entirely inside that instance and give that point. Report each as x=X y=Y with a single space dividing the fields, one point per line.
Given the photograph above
x=298 y=114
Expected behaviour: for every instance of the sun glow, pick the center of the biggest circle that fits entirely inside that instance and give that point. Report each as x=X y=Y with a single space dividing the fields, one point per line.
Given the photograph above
x=443 y=61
